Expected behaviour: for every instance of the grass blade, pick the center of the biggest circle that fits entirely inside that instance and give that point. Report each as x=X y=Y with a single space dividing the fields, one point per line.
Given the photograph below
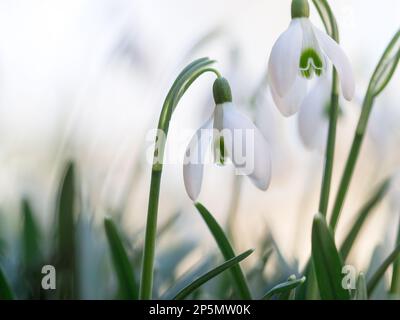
x=123 y=268
x=32 y=255
x=284 y=288
x=30 y=237
x=377 y=276
x=66 y=253
x=226 y=250
x=362 y=217
x=212 y=274
x=5 y=289
x=386 y=66
x=327 y=17
x=327 y=262
x=395 y=285
x=380 y=78
x=361 y=291
x=193 y=273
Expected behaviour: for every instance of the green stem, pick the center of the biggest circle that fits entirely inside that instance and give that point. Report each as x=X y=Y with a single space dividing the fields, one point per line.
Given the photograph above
x=380 y=78
x=330 y=24
x=395 y=285
x=330 y=147
x=351 y=162
x=181 y=84
x=146 y=283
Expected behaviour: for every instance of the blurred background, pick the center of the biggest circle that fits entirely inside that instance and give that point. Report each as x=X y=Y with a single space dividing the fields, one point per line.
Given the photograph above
x=84 y=80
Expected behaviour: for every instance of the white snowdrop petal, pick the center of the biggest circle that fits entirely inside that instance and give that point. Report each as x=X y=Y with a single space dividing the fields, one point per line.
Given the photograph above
x=289 y=104
x=246 y=147
x=194 y=159
x=312 y=121
x=283 y=65
x=340 y=61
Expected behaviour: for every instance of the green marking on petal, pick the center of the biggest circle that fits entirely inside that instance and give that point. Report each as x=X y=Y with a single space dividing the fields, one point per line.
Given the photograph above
x=220 y=151
x=310 y=63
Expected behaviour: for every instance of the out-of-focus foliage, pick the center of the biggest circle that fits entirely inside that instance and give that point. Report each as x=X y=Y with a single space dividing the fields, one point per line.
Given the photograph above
x=121 y=262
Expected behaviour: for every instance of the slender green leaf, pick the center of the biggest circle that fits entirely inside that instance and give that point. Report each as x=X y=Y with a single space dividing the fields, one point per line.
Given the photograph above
x=196 y=271
x=32 y=254
x=362 y=216
x=66 y=204
x=308 y=291
x=378 y=82
x=327 y=261
x=5 y=289
x=327 y=18
x=361 y=290
x=386 y=66
x=395 y=285
x=284 y=288
x=66 y=251
x=123 y=268
x=226 y=250
x=212 y=274
x=31 y=237
x=289 y=294
x=377 y=276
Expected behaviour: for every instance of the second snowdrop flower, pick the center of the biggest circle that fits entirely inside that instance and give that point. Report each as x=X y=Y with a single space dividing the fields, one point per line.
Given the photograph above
x=300 y=53
x=313 y=117
x=232 y=135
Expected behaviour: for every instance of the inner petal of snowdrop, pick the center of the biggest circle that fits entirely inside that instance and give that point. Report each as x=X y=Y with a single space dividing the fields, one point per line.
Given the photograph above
x=218 y=140
x=310 y=63
x=219 y=151
x=312 y=60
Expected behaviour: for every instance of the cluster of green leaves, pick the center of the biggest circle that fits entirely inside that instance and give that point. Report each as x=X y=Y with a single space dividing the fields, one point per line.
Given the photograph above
x=61 y=249
x=121 y=261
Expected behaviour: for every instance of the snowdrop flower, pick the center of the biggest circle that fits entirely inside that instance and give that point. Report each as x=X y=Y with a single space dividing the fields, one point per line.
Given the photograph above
x=313 y=118
x=301 y=52
x=232 y=135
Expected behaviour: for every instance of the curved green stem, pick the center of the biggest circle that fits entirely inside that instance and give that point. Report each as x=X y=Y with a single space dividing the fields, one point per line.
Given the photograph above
x=330 y=24
x=379 y=80
x=330 y=147
x=350 y=163
x=329 y=21
x=395 y=284
x=178 y=89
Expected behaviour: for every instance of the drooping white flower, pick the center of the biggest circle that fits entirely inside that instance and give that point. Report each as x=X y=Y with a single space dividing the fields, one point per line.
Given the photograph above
x=313 y=117
x=301 y=52
x=232 y=135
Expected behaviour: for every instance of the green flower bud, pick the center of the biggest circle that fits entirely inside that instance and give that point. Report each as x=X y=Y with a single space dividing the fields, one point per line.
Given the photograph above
x=300 y=9
x=222 y=91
